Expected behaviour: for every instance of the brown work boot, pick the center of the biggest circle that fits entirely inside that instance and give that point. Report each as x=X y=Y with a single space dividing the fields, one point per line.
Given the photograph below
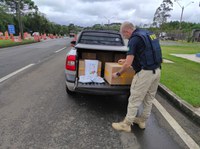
x=140 y=122
x=122 y=126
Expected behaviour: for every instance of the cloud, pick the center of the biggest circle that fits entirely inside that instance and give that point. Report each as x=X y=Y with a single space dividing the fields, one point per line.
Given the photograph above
x=94 y=1
x=90 y=12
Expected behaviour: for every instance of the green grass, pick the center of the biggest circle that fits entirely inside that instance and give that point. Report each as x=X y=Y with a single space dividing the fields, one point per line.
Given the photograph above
x=9 y=43
x=183 y=76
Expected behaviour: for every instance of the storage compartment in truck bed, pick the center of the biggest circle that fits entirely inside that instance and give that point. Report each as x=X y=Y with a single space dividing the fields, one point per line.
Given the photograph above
x=103 y=57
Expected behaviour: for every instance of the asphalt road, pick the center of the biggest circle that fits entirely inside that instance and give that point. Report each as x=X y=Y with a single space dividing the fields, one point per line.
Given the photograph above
x=36 y=112
x=14 y=58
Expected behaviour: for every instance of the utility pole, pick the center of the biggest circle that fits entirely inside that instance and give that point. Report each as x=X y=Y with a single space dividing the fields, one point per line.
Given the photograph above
x=182 y=9
x=108 y=19
x=20 y=19
x=181 y=15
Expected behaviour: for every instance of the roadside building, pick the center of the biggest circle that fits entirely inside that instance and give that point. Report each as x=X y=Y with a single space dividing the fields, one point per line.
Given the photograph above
x=196 y=35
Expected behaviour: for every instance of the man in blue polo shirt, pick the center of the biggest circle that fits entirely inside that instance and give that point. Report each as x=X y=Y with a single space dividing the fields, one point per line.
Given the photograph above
x=144 y=55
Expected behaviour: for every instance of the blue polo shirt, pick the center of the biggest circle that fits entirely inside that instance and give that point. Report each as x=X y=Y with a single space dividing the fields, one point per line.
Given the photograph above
x=136 y=45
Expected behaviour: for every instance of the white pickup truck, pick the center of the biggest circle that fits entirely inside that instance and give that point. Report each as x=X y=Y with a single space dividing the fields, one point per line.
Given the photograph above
x=106 y=46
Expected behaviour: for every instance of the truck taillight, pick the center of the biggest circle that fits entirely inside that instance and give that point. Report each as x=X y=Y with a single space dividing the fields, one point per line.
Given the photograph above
x=71 y=62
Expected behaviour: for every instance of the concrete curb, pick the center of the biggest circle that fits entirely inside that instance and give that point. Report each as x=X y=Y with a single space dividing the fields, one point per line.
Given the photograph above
x=188 y=109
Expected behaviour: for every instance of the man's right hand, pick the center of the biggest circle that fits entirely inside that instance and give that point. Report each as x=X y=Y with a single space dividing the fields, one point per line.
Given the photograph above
x=121 y=61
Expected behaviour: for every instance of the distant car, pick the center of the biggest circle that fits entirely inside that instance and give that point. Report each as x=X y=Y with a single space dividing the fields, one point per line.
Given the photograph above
x=71 y=35
x=36 y=33
x=165 y=36
x=105 y=45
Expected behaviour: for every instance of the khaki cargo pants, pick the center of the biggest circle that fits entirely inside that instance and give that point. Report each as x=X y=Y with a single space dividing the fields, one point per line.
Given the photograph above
x=143 y=89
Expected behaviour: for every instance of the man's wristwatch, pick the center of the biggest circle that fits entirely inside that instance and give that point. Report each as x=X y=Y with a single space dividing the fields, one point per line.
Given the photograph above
x=118 y=74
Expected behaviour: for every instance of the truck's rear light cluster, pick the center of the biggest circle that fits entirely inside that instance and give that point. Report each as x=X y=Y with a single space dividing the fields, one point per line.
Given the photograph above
x=71 y=62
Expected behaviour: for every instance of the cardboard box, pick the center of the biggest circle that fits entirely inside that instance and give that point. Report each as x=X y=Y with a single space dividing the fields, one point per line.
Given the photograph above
x=81 y=70
x=87 y=55
x=124 y=79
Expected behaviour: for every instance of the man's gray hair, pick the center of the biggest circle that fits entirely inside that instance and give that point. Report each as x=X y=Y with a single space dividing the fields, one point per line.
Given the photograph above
x=127 y=25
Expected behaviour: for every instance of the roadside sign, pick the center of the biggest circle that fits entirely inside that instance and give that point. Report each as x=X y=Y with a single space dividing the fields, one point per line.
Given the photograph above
x=11 y=29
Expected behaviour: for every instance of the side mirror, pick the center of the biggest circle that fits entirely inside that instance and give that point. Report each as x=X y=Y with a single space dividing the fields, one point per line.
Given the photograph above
x=73 y=42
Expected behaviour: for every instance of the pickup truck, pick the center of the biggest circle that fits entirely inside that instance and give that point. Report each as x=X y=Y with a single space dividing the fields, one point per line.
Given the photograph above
x=107 y=46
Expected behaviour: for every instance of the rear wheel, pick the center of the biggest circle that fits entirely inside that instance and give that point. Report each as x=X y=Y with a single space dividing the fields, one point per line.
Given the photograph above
x=69 y=92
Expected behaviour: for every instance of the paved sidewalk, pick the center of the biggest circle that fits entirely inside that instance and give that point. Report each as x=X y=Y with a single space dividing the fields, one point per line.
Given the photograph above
x=167 y=61
x=191 y=57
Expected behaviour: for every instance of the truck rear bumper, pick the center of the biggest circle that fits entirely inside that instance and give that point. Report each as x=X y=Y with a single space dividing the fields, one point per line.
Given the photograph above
x=100 y=89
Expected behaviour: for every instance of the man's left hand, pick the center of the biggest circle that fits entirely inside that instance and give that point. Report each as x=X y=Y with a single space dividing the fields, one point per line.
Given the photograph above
x=114 y=75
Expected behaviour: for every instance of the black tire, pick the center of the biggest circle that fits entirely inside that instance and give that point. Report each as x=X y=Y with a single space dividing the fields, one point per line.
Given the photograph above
x=69 y=92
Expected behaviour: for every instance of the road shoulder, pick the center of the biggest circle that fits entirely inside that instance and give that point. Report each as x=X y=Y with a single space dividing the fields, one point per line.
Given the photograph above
x=188 y=109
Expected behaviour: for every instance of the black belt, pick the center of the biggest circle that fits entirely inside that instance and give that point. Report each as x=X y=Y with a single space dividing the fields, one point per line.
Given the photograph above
x=154 y=70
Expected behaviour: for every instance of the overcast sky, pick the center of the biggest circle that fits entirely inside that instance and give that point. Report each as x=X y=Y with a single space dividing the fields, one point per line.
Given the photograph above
x=90 y=12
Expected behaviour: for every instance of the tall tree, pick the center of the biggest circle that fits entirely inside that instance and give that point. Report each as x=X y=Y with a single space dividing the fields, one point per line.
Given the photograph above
x=22 y=4
x=19 y=7
x=5 y=19
x=162 y=13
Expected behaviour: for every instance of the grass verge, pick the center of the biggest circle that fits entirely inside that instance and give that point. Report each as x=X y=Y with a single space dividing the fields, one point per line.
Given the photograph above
x=183 y=76
x=9 y=43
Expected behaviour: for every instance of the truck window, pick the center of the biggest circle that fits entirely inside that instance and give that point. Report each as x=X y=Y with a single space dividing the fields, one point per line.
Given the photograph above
x=101 y=38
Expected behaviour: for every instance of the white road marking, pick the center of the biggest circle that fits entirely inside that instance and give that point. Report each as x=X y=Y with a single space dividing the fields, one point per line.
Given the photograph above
x=14 y=73
x=59 y=50
x=179 y=130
